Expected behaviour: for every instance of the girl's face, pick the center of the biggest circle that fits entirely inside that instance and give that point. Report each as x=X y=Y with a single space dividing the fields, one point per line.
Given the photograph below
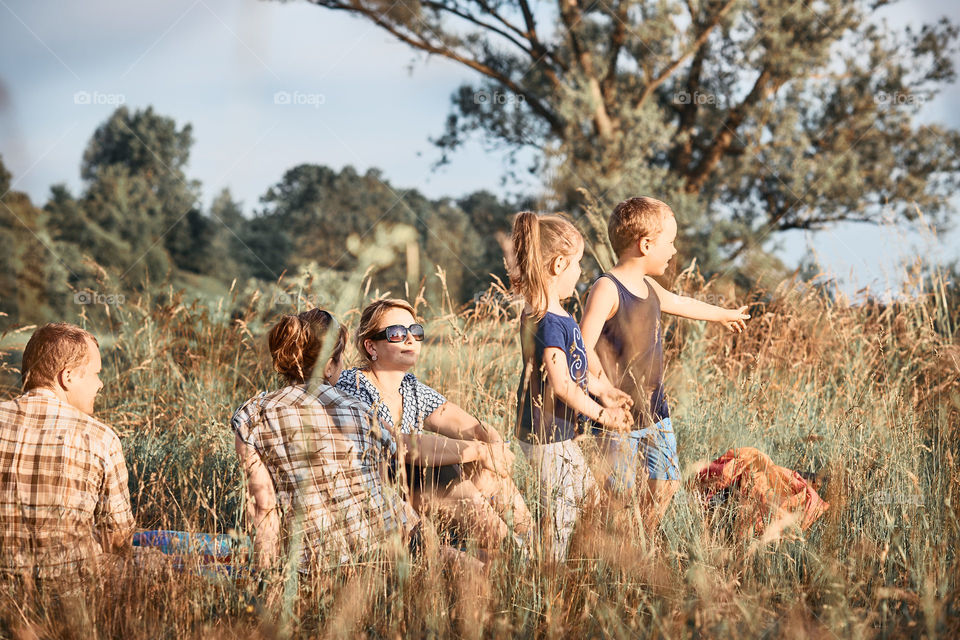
x=395 y=355
x=569 y=272
x=660 y=249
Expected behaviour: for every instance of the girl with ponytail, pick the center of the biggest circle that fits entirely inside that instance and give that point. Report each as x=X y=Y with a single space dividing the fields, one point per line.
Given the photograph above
x=552 y=397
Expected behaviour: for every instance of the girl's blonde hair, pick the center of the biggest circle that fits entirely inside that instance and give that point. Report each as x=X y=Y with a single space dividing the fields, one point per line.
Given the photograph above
x=370 y=319
x=537 y=241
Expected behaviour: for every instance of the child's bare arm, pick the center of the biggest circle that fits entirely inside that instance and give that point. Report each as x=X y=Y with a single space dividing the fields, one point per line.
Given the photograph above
x=606 y=392
x=564 y=388
x=602 y=303
x=686 y=307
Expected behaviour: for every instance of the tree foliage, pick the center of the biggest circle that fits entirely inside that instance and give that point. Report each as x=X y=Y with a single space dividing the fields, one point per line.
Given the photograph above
x=319 y=209
x=137 y=226
x=749 y=116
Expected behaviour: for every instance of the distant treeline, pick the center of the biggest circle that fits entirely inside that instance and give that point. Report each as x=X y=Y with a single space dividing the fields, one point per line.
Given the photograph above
x=138 y=223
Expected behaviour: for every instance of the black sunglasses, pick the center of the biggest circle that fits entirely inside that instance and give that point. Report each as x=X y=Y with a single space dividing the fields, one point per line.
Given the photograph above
x=398 y=333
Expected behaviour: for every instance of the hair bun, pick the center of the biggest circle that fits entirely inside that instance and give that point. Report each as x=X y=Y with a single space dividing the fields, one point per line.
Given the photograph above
x=296 y=342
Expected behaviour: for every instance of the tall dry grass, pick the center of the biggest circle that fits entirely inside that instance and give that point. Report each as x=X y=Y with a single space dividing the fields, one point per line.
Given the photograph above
x=866 y=396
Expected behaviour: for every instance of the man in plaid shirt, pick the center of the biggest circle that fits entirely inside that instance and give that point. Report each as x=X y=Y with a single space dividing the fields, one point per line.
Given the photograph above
x=63 y=482
x=326 y=458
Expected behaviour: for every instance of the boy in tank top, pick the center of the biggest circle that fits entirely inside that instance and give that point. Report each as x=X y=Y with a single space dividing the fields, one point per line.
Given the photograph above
x=622 y=334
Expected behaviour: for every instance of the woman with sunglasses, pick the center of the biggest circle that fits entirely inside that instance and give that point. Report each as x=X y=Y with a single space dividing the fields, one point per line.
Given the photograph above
x=477 y=494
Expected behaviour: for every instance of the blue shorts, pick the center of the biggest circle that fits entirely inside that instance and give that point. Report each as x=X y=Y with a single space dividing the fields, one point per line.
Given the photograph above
x=655 y=446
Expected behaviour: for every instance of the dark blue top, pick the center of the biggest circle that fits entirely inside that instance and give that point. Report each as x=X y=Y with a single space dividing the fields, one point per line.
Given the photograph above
x=537 y=421
x=630 y=348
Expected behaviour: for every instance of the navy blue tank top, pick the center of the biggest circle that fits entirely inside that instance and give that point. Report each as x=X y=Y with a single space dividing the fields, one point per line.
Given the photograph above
x=630 y=348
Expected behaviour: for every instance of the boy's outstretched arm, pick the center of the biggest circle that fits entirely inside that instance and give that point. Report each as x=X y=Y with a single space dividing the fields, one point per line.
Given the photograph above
x=686 y=307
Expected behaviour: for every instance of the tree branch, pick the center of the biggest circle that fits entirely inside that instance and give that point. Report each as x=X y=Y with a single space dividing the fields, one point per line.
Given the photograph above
x=673 y=66
x=570 y=15
x=533 y=101
x=439 y=6
x=617 y=39
x=683 y=150
x=763 y=86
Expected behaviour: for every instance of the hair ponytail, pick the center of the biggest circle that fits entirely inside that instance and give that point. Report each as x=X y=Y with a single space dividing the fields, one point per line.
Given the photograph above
x=538 y=240
x=297 y=342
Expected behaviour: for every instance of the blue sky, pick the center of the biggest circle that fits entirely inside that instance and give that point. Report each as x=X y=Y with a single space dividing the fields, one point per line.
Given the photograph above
x=366 y=100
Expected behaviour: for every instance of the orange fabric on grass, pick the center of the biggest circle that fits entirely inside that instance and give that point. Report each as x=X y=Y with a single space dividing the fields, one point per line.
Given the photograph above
x=769 y=489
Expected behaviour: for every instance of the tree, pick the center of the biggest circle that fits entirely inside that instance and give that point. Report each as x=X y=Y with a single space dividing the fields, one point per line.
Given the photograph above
x=142 y=141
x=129 y=219
x=227 y=255
x=4 y=178
x=144 y=154
x=30 y=263
x=493 y=219
x=749 y=116
x=316 y=209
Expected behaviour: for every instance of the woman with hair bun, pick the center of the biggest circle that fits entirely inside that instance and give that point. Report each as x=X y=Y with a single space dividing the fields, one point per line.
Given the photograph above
x=316 y=455
x=473 y=491
x=312 y=453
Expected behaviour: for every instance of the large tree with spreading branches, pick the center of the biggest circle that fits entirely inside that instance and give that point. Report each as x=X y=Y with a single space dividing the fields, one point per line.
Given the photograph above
x=750 y=116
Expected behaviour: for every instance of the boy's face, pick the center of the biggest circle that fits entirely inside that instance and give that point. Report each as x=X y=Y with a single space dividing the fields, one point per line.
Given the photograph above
x=659 y=249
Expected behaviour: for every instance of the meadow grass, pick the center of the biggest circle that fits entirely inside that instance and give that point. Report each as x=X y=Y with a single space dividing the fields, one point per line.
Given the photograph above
x=867 y=396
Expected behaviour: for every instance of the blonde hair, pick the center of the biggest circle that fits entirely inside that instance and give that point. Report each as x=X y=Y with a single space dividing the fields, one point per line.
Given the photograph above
x=51 y=349
x=537 y=241
x=296 y=343
x=636 y=218
x=370 y=320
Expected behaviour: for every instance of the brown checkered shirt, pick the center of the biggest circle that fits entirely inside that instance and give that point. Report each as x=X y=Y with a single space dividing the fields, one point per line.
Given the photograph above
x=326 y=457
x=63 y=481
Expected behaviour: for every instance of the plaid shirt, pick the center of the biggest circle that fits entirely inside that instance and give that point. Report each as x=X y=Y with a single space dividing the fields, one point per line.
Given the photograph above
x=326 y=459
x=63 y=481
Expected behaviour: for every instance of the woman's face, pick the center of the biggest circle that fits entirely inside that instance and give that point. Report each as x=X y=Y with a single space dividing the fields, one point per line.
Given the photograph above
x=332 y=371
x=395 y=355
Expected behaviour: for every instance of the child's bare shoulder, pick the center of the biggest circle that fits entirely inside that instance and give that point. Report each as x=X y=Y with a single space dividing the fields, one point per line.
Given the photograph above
x=602 y=300
x=603 y=285
x=630 y=279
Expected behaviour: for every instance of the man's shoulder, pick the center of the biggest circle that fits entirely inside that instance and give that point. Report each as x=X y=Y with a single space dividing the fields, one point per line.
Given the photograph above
x=45 y=409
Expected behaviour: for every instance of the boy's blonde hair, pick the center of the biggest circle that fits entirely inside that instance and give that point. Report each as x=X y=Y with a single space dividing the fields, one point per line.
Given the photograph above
x=537 y=241
x=636 y=218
